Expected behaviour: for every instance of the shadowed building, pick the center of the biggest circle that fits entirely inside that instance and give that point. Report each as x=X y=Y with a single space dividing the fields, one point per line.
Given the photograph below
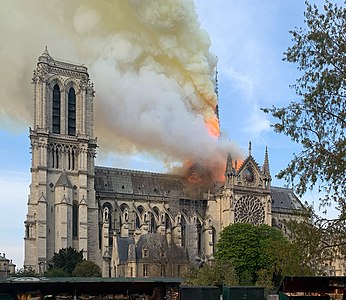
x=7 y=267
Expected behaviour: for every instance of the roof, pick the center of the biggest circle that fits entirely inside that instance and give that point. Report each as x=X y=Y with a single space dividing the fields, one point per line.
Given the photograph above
x=121 y=181
x=284 y=198
x=173 y=187
x=63 y=180
x=123 y=247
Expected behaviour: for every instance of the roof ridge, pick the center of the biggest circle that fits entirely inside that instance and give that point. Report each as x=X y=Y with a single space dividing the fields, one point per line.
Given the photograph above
x=136 y=171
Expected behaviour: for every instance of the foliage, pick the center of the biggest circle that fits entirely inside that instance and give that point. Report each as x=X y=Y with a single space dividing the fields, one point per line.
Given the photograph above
x=26 y=272
x=66 y=259
x=87 y=268
x=251 y=249
x=318 y=120
x=317 y=242
x=56 y=272
x=217 y=274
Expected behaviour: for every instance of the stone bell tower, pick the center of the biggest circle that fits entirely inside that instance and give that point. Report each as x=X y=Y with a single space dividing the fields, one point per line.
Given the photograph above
x=62 y=210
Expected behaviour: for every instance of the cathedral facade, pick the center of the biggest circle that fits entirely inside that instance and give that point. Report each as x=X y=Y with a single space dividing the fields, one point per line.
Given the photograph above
x=131 y=223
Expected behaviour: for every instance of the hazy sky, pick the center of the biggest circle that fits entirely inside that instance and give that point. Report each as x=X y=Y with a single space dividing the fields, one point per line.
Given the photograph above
x=248 y=38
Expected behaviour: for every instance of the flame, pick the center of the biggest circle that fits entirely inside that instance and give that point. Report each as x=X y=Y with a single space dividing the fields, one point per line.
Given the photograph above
x=201 y=173
x=213 y=126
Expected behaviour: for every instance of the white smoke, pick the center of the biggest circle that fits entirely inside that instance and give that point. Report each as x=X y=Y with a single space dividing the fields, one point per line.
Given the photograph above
x=149 y=60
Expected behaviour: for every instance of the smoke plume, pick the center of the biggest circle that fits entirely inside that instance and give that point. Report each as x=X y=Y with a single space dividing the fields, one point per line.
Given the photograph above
x=149 y=60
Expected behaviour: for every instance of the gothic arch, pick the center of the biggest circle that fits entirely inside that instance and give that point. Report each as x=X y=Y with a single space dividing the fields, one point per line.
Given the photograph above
x=53 y=80
x=125 y=214
x=152 y=223
x=168 y=222
x=110 y=213
x=139 y=216
x=72 y=83
x=71 y=111
x=156 y=211
x=171 y=218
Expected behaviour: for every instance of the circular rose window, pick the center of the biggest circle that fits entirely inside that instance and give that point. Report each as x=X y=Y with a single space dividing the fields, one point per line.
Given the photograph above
x=249 y=209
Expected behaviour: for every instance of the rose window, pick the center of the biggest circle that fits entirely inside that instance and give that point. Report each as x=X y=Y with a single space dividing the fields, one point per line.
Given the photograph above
x=249 y=209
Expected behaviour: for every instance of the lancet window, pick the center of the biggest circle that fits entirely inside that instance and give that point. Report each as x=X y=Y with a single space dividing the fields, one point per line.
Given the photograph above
x=183 y=231
x=71 y=112
x=56 y=109
x=63 y=157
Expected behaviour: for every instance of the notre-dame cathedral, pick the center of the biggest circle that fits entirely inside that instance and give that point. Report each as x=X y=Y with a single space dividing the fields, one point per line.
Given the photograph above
x=131 y=223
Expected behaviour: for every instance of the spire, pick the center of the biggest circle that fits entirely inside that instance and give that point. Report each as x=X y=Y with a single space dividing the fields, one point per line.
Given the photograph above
x=216 y=83
x=249 y=148
x=216 y=110
x=45 y=56
x=266 y=170
x=229 y=163
x=45 y=52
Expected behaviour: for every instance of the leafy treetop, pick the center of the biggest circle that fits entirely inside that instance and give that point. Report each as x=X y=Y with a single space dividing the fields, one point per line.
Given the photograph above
x=318 y=119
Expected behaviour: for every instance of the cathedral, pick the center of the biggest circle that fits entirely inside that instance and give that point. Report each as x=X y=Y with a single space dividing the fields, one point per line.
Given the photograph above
x=130 y=223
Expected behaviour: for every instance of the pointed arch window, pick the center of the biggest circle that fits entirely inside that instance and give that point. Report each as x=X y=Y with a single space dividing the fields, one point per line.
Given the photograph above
x=153 y=225
x=183 y=232
x=56 y=109
x=199 y=236
x=71 y=111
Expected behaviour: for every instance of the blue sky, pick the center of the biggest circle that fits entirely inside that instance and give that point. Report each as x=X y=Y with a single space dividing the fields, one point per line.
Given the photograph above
x=248 y=37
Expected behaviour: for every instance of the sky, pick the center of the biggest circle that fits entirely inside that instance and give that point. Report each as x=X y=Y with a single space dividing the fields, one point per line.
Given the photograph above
x=246 y=38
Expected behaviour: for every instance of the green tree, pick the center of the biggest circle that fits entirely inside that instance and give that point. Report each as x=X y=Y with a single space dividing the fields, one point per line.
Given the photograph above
x=252 y=248
x=317 y=120
x=217 y=274
x=317 y=242
x=87 y=268
x=66 y=259
x=56 y=272
x=26 y=272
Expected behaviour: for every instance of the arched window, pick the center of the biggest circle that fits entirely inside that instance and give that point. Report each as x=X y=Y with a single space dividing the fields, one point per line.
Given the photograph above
x=56 y=109
x=153 y=225
x=183 y=231
x=168 y=222
x=199 y=236
x=71 y=111
x=110 y=213
x=138 y=223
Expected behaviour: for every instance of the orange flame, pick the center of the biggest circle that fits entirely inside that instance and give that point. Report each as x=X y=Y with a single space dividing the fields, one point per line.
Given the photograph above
x=212 y=124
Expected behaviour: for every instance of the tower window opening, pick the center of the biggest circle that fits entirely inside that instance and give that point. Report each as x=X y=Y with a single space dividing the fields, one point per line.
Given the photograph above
x=56 y=109
x=73 y=159
x=71 y=112
x=53 y=156
x=57 y=158
x=27 y=231
x=75 y=220
x=69 y=159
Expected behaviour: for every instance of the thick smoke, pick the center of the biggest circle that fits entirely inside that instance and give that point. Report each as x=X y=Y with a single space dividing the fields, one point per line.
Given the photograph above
x=149 y=61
